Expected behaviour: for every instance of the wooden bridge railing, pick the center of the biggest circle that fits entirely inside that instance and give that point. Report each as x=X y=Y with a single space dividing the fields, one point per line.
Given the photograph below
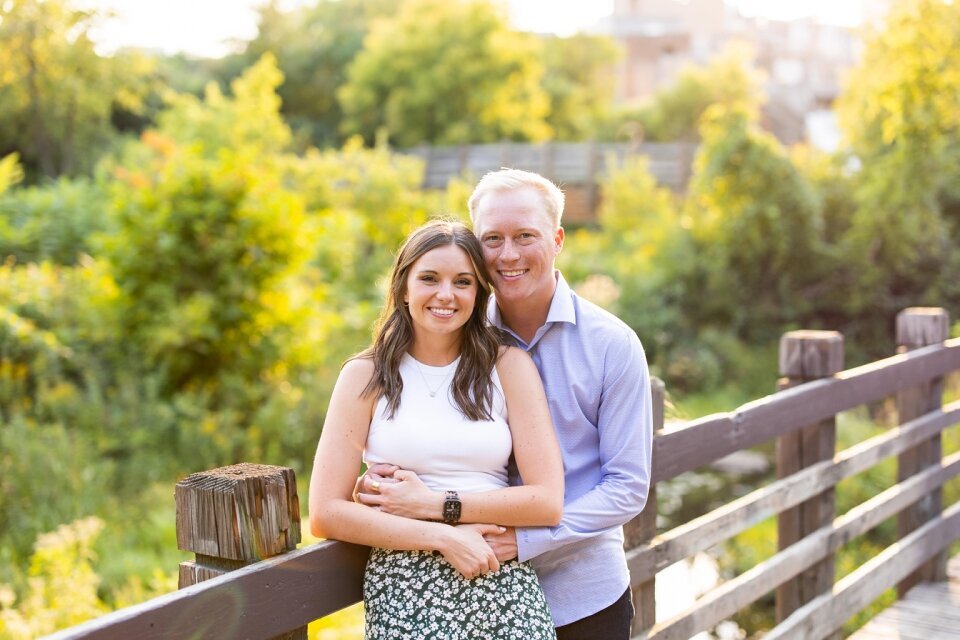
x=278 y=596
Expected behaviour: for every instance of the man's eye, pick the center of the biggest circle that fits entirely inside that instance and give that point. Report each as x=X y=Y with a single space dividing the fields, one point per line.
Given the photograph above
x=492 y=239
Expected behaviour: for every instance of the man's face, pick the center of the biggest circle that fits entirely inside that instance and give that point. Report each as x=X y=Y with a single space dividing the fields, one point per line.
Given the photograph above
x=519 y=244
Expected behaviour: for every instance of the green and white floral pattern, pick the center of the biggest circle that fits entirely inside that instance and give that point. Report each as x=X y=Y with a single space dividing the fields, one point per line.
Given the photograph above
x=410 y=595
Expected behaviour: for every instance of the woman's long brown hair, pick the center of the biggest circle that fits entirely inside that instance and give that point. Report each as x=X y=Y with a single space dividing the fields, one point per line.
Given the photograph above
x=393 y=335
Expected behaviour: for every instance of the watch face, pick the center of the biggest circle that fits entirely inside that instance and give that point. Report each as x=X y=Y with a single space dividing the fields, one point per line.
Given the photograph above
x=451 y=509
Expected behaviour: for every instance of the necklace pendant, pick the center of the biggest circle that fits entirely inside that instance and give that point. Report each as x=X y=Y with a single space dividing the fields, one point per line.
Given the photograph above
x=433 y=394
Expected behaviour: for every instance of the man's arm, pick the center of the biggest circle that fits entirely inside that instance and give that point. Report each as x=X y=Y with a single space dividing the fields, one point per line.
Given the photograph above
x=625 y=426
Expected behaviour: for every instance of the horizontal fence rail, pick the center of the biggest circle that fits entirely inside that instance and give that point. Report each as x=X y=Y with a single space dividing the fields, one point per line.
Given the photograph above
x=574 y=163
x=261 y=600
x=712 y=528
x=692 y=445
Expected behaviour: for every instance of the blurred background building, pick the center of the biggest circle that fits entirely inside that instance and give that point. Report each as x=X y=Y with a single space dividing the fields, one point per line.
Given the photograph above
x=803 y=60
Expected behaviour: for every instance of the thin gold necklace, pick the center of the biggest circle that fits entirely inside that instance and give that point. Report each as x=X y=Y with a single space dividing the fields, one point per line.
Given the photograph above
x=432 y=392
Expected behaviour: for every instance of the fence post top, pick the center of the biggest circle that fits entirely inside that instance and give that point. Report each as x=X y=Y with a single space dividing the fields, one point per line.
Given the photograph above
x=807 y=354
x=242 y=512
x=922 y=326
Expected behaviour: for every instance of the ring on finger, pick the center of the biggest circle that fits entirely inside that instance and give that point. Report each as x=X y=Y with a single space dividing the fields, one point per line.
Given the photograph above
x=375 y=485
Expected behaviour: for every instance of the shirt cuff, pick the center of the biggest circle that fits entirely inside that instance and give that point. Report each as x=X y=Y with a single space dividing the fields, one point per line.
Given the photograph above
x=532 y=541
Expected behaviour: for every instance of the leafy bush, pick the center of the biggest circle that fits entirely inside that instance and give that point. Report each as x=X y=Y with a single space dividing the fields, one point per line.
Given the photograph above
x=62 y=588
x=53 y=223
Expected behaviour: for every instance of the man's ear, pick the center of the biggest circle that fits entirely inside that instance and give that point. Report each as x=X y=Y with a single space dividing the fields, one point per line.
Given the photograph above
x=558 y=241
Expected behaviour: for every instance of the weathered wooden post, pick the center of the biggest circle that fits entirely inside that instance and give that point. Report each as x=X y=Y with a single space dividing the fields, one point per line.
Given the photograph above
x=643 y=528
x=234 y=516
x=806 y=356
x=921 y=327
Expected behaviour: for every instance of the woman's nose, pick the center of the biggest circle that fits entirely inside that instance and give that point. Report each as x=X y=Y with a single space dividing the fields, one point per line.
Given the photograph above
x=445 y=291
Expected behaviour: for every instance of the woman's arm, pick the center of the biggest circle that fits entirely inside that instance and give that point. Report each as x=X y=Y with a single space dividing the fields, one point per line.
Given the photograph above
x=333 y=514
x=538 y=502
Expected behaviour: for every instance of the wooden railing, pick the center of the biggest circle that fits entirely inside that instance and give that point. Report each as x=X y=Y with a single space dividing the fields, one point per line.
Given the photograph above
x=576 y=163
x=278 y=596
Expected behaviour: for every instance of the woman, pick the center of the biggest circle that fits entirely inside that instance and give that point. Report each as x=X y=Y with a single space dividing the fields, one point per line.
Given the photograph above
x=438 y=395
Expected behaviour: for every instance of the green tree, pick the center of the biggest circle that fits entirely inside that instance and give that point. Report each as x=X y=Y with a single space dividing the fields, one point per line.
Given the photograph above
x=757 y=228
x=56 y=93
x=901 y=115
x=313 y=45
x=444 y=73
x=248 y=121
x=205 y=200
x=55 y=222
x=640 y=242
x=579 y=79
x=63 y=584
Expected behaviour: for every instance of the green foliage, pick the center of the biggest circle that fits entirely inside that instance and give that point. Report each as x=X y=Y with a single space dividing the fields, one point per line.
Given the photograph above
x=10 y=172
x=223 y=234
x=579 y=79
x=757 y=227
x=445 y=73
x=903 y=127
x=640 y=239
x=314 y=44
x=56 y=93
x=53 y=223
x=62 y=588
x=247 y=122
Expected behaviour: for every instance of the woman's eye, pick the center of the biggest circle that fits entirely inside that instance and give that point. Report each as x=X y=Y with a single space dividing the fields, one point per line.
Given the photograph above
x=464 y=282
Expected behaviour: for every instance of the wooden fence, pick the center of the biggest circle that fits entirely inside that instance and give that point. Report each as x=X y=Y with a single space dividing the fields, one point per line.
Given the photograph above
x=576 y=166
x=223 y=513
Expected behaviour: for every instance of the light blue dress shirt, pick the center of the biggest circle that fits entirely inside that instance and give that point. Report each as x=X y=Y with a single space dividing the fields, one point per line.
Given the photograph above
x=595 y=375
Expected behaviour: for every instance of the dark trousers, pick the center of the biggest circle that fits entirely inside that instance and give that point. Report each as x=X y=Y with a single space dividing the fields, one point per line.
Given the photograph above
x=612 y=623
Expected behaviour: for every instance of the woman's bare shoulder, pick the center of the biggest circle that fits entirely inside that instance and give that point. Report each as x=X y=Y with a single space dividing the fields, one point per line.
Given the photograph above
x=514 y=361
x=357 y=371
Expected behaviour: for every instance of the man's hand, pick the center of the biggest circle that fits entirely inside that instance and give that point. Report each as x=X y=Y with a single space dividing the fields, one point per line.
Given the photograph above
x=405 y=495
x=503 y=543
x=371 y=480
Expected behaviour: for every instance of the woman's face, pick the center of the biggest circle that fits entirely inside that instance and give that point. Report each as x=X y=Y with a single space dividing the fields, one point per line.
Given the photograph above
x=441 y=291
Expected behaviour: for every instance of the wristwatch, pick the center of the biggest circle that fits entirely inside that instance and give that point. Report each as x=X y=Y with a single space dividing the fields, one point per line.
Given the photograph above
x=451 y=508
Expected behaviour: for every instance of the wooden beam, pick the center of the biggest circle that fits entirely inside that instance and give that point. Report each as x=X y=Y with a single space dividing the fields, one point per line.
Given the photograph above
x=919 y=327
x=806 y=356
x=854 y=592
x=691 y=445
x=733 y=595
x=724 y=522
x=258 y=601
x=642 y=529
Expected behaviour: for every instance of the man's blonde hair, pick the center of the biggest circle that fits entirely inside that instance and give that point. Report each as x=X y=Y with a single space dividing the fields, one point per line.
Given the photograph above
x=512 y=179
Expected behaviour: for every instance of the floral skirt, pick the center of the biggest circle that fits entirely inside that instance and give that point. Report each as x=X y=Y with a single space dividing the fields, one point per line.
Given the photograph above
x=418 y=594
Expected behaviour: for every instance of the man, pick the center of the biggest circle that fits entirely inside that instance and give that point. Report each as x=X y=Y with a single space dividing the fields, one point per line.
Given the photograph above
x=595 y=376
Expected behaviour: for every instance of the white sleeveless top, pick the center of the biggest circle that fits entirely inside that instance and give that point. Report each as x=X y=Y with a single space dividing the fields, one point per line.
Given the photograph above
x=429 y=436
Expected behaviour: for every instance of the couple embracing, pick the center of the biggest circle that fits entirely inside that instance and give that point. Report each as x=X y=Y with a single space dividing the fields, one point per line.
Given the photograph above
x=507 y=436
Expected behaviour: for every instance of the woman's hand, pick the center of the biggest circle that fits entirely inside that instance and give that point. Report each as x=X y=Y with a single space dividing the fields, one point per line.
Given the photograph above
x=465 y=549
x=405 y=496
